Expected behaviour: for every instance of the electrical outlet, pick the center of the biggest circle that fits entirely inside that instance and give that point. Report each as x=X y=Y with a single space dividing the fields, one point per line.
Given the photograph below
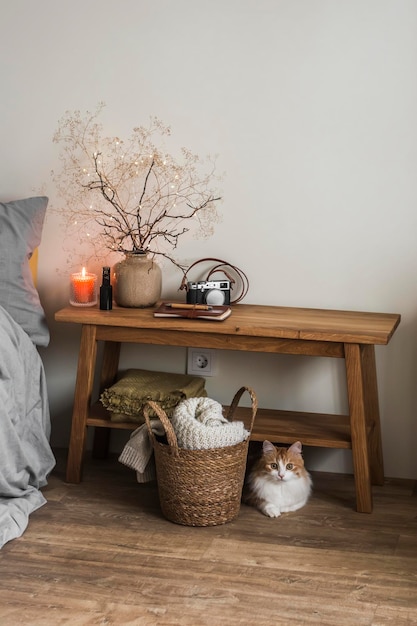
x=200 y=361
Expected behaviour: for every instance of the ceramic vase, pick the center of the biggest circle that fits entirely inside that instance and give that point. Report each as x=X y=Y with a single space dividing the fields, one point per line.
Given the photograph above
x=137 y=281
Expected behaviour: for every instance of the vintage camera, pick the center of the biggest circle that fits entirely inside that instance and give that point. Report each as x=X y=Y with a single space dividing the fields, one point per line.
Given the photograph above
x=209 y=292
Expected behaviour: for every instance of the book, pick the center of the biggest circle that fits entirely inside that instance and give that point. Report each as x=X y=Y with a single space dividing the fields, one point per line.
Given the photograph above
x=216 y=313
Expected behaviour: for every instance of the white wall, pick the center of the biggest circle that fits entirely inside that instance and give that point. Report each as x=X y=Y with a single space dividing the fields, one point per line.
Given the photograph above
x=311 y=105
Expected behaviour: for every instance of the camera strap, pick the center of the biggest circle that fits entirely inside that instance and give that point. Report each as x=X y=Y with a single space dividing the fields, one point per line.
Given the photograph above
x=225 y=267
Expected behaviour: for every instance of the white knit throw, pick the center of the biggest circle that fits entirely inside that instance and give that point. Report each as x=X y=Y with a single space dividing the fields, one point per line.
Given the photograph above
x=199 y=425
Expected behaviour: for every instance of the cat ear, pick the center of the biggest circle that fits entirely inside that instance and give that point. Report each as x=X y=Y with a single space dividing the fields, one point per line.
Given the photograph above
x=267 y=446
x=296 y=448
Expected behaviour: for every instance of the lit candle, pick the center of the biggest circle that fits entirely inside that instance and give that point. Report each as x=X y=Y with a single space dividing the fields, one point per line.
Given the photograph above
x=83 y=289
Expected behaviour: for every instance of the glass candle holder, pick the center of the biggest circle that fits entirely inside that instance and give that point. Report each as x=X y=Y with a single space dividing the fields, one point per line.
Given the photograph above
x=83 y=290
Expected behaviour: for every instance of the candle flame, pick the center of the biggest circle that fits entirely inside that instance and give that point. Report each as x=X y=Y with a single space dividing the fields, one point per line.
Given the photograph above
x=83 y=272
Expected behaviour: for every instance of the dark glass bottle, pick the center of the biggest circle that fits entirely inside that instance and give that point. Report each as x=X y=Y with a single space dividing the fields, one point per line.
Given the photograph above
x=106 y=291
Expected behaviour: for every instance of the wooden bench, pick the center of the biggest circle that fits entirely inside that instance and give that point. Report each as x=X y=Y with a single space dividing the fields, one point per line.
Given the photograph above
x=349 y=335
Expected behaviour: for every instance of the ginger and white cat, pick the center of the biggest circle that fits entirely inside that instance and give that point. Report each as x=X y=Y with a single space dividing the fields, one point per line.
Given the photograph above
x=278 y=481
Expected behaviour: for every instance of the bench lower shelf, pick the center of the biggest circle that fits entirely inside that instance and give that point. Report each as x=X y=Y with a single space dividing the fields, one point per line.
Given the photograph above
x=312 y=429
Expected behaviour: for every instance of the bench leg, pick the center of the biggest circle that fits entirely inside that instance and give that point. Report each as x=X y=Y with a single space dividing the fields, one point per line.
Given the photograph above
x=373 y=423
x=82 y=401
x=109 y=371
x=355 y=376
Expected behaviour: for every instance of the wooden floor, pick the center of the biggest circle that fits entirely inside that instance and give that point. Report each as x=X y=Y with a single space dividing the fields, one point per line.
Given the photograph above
x=101 y=553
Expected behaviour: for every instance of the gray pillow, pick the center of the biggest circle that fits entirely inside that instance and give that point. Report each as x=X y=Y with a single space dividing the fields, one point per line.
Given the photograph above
x=21 y=224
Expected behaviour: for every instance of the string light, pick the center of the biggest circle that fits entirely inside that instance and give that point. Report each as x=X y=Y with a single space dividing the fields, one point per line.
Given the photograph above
x=119 y=181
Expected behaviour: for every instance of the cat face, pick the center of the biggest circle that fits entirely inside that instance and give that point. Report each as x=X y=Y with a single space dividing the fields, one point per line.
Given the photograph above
x=281 y=464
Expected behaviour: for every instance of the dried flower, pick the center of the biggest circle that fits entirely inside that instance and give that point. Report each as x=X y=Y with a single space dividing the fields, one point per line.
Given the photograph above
x=130 y=195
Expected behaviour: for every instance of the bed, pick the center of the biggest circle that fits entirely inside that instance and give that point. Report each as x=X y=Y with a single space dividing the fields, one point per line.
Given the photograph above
x=26 y=458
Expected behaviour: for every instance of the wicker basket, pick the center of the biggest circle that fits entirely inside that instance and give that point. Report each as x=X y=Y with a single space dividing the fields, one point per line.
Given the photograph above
x=200 y=487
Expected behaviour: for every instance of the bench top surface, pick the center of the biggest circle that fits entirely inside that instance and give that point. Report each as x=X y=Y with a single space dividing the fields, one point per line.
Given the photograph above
x=253 y=320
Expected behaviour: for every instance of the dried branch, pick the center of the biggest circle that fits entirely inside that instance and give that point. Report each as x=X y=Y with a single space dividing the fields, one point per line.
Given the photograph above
x=131 y=196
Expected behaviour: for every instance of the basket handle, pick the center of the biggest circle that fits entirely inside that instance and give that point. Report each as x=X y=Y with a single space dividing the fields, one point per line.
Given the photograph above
x=235 y=402
x=169 y=431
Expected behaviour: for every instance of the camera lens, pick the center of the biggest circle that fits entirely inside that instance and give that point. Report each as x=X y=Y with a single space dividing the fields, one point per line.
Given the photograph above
x=215 y=296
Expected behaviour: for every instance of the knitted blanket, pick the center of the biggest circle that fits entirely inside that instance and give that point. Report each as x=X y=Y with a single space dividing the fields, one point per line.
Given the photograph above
x=199 y=424
x=138 y=453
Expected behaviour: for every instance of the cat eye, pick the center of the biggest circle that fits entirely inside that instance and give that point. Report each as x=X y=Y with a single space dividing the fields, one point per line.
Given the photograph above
x=274 y=466
x=290 y=466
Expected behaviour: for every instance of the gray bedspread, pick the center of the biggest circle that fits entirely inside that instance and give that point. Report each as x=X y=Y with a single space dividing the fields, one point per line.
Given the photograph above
x=26 y=458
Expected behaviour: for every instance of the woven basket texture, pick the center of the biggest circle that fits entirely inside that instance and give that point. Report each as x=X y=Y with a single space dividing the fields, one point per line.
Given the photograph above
x=200 y=487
